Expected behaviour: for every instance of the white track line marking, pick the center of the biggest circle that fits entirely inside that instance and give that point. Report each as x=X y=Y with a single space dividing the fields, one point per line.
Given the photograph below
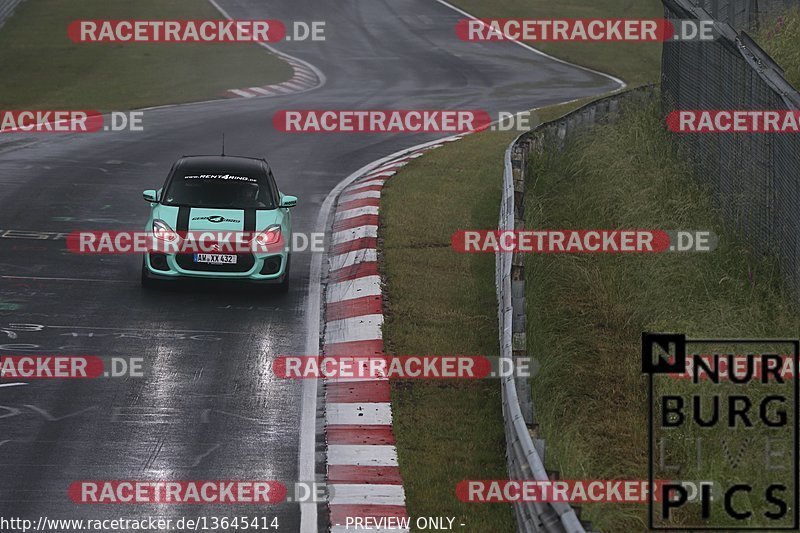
x=368 y=183
x=392 y=166
x=239 y=92
x=371 y=414
x=280 y=89
x=621 y=83
x=354 y=288
x=293 y=84
x=11 y=385
x=360 y=196
x=384 y=174
x=367 y=494
x=369 y=255
x=356 y=212
x=362 y=455
x=353 y=234
x=261 y=90
x=360 y=328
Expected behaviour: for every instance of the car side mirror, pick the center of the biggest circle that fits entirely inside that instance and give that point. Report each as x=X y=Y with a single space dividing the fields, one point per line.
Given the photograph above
x=151 y=195
x=289 y=201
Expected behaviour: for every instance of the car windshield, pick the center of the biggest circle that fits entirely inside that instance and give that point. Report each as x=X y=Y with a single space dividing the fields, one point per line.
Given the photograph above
x=220 y=190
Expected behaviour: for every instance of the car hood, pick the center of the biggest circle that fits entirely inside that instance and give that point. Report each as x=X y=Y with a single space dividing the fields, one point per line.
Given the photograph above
x=213 y=219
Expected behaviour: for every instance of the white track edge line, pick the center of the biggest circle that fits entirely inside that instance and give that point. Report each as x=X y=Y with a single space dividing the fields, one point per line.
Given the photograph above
x=616 y=80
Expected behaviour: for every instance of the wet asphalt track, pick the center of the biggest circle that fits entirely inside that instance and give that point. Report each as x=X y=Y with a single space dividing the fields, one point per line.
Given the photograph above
x=208 y=407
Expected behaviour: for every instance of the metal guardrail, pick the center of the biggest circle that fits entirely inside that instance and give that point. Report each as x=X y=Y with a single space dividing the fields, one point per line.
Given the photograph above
x=525 y=451
x=7 y=8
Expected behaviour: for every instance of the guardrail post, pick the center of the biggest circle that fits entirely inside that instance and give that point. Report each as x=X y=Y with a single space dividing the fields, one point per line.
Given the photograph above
x=519 y=166
x=591 y=115
x=562 y=135
x=519 y=348
x=613 y=110
x=540 y=446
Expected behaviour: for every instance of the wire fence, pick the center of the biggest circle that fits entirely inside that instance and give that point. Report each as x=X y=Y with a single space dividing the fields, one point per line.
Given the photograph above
x=745 y=14
x=7 y=8
x=753 y=177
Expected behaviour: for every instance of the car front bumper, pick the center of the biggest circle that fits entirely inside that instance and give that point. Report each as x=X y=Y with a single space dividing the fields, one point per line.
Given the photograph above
x=260 y=268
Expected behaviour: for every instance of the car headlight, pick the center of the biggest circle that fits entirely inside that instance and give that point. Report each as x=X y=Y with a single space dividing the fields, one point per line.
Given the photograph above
x=162 y=231
x=271 y=236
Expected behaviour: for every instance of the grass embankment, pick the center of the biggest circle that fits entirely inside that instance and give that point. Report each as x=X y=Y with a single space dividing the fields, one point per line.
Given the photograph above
x=586 y=313
x=441 y=302
x=43 y=69
x=779 y=38
x=636 y=63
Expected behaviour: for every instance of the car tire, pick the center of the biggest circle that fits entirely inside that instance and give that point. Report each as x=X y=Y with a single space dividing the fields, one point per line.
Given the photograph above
x=283 y=287
x=147 y=281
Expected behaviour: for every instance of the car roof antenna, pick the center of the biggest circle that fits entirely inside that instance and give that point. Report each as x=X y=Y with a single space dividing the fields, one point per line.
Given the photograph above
x=223 y=143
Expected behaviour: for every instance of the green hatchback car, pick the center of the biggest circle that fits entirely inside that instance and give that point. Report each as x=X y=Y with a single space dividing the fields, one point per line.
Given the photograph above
x=220 y=194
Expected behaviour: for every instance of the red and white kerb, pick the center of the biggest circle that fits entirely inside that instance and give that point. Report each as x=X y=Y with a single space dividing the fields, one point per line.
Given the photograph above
x=363 y=472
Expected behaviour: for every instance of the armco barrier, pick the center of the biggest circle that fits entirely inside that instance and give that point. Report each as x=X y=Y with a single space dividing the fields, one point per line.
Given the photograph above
x=525 y=451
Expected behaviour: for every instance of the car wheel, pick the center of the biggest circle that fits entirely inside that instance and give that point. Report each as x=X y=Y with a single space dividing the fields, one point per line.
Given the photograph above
x=147 y=281
x=283 y=287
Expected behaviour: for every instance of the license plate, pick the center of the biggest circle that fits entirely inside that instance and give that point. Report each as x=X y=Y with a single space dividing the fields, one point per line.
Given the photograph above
x=215 y=259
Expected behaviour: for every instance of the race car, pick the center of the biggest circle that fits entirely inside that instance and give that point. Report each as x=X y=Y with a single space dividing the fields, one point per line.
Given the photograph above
x=219 y=195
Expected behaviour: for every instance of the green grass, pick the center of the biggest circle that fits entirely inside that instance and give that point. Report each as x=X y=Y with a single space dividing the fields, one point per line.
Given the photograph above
x=586 y=313
x=779 y=38
x=636 y=63
x=440 y=302
x=42 y=68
